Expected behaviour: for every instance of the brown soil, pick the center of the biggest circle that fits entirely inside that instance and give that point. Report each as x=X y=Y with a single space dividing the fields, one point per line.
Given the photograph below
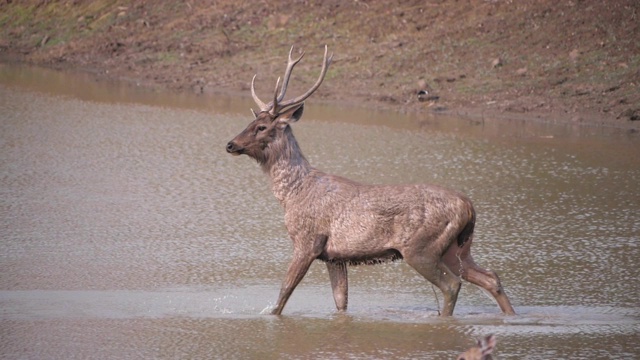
x=569 y=61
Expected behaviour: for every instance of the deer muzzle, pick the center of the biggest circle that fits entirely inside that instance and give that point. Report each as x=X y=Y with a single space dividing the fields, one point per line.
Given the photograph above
x=234 y=149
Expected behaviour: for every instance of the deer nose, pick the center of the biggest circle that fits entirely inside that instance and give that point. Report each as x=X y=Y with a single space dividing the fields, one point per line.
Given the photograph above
x=233 y=148
x=230 y=147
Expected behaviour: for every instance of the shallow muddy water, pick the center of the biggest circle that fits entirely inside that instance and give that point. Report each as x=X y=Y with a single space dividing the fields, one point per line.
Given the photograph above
x=126 y=231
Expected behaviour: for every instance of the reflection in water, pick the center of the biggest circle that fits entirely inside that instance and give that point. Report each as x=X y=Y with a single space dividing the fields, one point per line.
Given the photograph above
x=128 y=231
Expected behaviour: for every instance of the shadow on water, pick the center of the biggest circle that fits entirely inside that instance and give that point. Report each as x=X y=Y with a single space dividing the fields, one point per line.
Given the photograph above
x=127 y=231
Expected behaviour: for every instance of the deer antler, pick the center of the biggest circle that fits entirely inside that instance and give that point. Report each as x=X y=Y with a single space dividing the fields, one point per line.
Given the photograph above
x=277 y=106
x=261 y=105
x=287 y=74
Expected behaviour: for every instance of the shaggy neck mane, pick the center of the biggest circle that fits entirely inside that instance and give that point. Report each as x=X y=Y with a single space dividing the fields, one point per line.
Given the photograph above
x=285 y=165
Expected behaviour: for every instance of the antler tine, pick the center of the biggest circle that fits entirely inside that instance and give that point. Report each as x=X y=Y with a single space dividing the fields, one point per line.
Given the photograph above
x=274 y=104
x=287 y=74
x=261 y=105
x=325 y=65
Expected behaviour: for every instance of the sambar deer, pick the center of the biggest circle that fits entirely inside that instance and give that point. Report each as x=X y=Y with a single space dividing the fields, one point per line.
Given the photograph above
x=342 y=222
x=482 y=351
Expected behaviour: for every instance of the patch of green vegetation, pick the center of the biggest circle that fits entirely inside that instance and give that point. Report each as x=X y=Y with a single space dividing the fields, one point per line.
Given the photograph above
x=58 y=21
x=248 y=34
x=168 y=57
x=476 y=89
x=16 y=15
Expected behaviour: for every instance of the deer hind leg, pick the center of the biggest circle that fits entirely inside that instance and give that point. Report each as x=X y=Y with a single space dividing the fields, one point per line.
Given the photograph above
x=339 y=284
x=487 y=280
x=441 y=276
x=459 y=259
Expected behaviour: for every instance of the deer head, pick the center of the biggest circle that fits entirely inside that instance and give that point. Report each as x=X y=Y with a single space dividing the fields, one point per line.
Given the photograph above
x=482 y=350
x=273 y=118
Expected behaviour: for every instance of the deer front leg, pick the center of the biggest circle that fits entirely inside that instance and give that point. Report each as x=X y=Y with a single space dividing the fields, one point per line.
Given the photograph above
x=339 y=284
x=297 y=269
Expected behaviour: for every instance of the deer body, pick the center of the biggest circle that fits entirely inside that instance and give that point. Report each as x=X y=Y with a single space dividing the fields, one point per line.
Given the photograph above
x=369 y=223
x=342 y=222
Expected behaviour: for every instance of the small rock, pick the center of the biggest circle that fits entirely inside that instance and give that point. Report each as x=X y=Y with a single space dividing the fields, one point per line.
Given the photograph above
x=559 y=81
x=497 y=62
x=521 y=71
x=583 y=90
x=424 y=95
x=388 y=98
x=631 y=114
x=573 y=55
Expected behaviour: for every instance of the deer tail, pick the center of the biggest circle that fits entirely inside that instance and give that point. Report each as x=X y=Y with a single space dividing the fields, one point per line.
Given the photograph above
x=466 y=233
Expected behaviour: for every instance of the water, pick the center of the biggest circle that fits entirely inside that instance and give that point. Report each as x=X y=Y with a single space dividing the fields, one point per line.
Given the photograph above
x=128 y=232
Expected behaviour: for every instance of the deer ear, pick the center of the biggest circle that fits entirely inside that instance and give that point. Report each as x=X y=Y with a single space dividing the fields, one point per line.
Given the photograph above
x=488 y=344
x=291 y=115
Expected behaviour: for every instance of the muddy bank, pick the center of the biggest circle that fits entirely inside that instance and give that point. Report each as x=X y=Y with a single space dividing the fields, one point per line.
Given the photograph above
x=572 y=62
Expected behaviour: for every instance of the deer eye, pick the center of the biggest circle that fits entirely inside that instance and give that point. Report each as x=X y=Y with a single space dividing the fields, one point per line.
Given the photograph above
x=262 y=128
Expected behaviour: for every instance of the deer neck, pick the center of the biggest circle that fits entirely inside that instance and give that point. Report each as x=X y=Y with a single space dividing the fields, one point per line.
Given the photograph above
x=286 y=166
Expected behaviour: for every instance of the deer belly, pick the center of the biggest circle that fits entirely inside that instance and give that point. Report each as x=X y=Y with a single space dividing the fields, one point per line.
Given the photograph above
x=357 y=251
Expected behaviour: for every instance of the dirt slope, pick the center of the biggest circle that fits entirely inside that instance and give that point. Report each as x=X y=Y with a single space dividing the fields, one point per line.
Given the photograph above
x=568 y=61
